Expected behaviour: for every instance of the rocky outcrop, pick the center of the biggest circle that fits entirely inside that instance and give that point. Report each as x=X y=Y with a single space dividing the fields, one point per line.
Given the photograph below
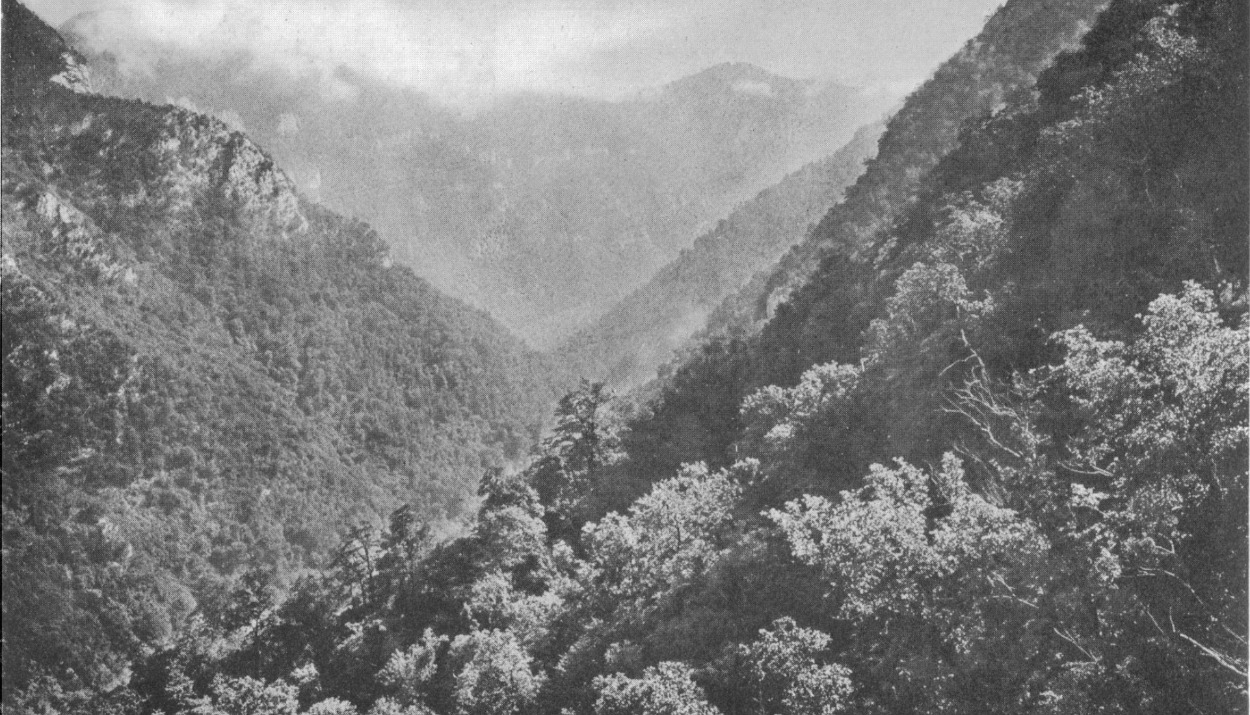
x=35 y=55
x=202 y=157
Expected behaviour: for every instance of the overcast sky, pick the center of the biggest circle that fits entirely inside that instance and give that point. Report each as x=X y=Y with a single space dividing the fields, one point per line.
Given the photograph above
x=460 y=50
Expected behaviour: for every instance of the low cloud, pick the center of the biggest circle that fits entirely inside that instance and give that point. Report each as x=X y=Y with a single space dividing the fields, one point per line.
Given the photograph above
x=468 y=51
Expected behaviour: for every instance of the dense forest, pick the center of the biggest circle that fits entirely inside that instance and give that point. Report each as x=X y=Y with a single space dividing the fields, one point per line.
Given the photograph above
x=205 y=374
x=997 y=66
x=981 y=444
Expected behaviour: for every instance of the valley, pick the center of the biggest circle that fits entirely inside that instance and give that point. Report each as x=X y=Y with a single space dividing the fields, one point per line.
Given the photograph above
x=542 y=210
x=327 y=394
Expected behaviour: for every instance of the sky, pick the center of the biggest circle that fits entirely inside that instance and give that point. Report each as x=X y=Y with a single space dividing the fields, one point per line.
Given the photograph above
x=464 y=50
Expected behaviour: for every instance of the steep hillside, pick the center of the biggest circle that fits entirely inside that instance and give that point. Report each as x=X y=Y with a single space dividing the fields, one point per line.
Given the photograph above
x=205 y=373
x=1121 y=178
x=627 y=344
x=543 y=210
x=697 y=417
x=1056 y=327
x=998 y=64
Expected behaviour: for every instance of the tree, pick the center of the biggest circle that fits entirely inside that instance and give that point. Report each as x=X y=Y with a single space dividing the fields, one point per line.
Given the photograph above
x=935 y=579
x=401 y=548
x=781 y=672
x=247 y=696
x=670 y=537
x=808 y=438
x=582 y=441
x=1159 y=465
x=409 y=673
x=496 y=676
x=664 y=689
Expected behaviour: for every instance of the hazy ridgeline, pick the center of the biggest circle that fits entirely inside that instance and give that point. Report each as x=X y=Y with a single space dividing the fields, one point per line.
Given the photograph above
x=640 y=333
x=544 y=210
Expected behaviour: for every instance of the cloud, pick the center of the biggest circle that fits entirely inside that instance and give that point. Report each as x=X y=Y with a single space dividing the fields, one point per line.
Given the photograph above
x=467 y=51
x=458 y=52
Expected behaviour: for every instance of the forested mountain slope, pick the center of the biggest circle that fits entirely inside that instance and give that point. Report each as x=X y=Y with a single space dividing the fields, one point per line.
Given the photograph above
x=697 y=418
x=204 y=372
x=994 y=67
x=627 y=344
x=1012 y=480
x=1098 y=224
x=543 y=210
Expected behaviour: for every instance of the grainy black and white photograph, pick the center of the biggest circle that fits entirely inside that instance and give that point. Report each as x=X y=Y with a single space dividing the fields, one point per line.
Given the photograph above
x=625 y=357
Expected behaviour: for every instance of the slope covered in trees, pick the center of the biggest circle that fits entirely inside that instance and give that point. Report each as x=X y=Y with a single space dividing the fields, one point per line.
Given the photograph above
x=993 y=68
x=1018 y=485
x=203 y=372
x=697 y=416
x=1081 y=205
x=640 y=333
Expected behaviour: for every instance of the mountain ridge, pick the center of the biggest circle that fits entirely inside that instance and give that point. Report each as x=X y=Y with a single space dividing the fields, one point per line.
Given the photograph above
x=543 y=210
x=206 y=374
x=913 y=142
x=640 y=333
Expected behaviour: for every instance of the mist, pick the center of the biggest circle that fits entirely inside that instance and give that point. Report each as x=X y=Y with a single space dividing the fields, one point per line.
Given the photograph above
x=469 y=52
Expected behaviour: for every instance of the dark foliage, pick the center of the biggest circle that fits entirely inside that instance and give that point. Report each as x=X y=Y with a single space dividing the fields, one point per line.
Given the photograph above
x=206 y=376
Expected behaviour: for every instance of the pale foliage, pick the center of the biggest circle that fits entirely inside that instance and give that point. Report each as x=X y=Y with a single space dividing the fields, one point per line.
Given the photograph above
x=496 y=678
x=665 y=689
x=670 y=536
x=884 y=552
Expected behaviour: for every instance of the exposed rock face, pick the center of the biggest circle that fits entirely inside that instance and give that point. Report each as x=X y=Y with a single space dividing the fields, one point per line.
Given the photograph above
x=166 y=158
x=66 y=231
x=146 y=155
x=201 y=156
x=76 y=76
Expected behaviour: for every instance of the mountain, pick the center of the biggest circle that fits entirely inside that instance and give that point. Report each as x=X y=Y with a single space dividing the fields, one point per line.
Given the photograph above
x=627 y=344
x=1002 y=61
x=543 y=210
x=1022 y=488
x=1027 y=353
x=1012 y=479
x=696 y=414
x=206 y=373
x=1116 y=179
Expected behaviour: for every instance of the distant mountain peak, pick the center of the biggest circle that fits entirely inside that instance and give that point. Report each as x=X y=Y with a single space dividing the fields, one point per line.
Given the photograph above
x=736 y=71
x=732 y=76
x=738 y=79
